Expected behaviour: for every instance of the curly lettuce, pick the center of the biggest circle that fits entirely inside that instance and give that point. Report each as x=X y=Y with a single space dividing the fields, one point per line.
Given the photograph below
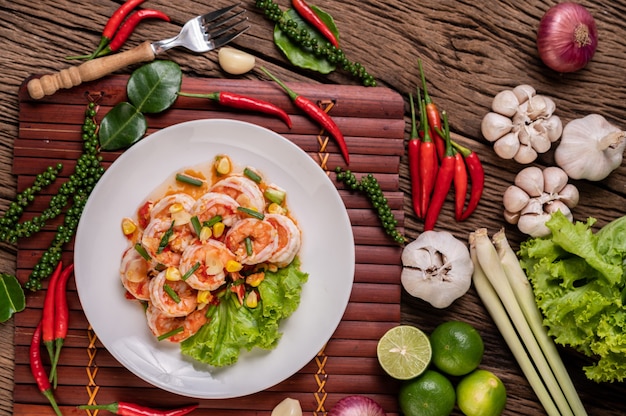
x=579 y=280
x=234 y=327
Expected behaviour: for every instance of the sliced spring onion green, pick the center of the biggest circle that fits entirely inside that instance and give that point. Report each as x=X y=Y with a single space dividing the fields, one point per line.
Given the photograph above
x=142 y=252
x=252 y=175
x=171 y=293
x=170 y=333
x=195 y=223
x=166 y=238
x=213 y=220
x=251 y=212
x=188 y=180
x=274 y=195
x=248 y=243
x=191 y=271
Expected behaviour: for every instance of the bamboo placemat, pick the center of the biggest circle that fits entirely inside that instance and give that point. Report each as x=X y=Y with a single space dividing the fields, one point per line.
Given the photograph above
x=372 y=119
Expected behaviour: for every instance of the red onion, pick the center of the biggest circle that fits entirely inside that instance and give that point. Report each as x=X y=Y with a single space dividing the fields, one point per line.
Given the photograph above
x=567 y=37
x=356 y=406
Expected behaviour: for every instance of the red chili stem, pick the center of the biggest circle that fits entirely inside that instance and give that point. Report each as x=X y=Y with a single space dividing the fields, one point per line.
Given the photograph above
x=61 y=319
x=38 y=371
x=460 y=185
x=433 y=115
x=308 y=14
x=129 y=26
x=428 y=164
x=243 y=102
x=413 y=155
x=131 y=409
x=477 y=178
x=48 y=314
x=445 y=175
x=317 y=114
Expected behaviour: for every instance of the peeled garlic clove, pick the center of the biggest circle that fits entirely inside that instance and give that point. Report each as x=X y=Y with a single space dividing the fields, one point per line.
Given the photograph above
x=524 y=92
x=507 y=146
x=530 y=179
x=494 y=125
x=505 y=103
x=534 y=225
x=515 y=199
x=525 y=155
x=234 y=61
x=554 y=179
x=288 y=407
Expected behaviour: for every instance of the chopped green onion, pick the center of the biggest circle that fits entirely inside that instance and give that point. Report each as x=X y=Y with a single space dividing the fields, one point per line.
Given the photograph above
x=195 y=222
x=251 y=212
x=252 y=175
x=191 y=271
x=213 y=220
x=172 y=294
x=166 y=238
x=274 y=195
x=142 y=252
x=248 y=243
x=171 y=333
x=188 y=180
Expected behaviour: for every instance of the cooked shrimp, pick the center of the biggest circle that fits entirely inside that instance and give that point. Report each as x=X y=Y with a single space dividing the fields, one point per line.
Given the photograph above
x=263 y=240
x=134 y=274
x=213 y=204
x=161 y=324
x=289 y=239
x=187 y=297
x=179 y=240
x=243 y=190
x=167 y=207
x=211 y=258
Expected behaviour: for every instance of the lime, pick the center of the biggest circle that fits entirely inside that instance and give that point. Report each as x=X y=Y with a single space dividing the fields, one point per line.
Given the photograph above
x=430 y=394
x=481 y=393
x=404 y=352
x=457 y=348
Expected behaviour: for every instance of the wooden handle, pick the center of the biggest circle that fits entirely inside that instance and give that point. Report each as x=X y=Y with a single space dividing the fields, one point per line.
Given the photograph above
x=88 y=71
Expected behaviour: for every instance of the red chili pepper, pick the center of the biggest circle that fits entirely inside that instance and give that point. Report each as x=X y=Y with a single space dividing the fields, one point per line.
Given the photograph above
x=131 y=409
x=413 y=154
x=460 y=185
x=129 y=26
x=243 y=102
x=39 y=373
x=48 y=314
x=434 y=118
x=477 y=178
x=308 y=14
x=428 y=164
x=445 y=174
x=61 y=318
x=317 y=114
x=114 y=23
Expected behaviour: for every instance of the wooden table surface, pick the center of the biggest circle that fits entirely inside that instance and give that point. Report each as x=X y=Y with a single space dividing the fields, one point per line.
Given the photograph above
x=470 y=50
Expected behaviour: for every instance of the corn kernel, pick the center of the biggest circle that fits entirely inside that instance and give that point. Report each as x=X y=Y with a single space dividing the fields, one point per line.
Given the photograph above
x=205 y=233
x=233 y=266
x=218 y=229
x=252 y=300
x=128 y=226
x=255 y=279
x=274 y=208
x=222 y=165
x=172 y=274
x=272 y=267
x=204 y=296
x=176 y=207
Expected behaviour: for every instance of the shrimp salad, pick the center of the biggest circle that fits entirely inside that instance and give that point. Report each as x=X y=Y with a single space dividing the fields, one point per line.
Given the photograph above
x=213 y=257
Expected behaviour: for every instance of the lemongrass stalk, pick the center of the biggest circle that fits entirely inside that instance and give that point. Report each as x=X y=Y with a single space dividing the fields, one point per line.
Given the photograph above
x=526 y=299
x=490 y=299
x=490 y=263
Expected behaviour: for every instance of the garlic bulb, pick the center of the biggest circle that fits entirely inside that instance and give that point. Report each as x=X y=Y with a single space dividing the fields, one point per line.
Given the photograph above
x=590 y=148
x=536 y=194
x=436 y=268
x=521 y=124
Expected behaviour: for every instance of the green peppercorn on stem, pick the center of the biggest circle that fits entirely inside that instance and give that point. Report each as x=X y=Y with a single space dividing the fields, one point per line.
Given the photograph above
x=303 y=38
x=371 y=188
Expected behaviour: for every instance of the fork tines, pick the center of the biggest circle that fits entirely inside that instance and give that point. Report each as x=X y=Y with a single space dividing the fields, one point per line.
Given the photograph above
x=221 y=26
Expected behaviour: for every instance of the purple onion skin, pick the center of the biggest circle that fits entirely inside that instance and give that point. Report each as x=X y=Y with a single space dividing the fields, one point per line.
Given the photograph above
x=556 y=37
x=356 y=406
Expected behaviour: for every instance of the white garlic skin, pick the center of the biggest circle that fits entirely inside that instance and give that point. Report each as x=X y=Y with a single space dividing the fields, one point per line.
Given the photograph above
x=437 y=268
x=590 y=148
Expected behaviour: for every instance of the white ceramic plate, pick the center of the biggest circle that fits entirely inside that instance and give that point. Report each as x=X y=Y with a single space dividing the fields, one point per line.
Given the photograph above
x=327 y=254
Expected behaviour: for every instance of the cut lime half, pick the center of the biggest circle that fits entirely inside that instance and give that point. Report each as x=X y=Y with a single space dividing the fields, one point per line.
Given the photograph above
x=404 y=352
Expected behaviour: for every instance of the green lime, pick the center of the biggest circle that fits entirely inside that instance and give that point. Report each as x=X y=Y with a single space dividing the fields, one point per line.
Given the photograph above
x=404 y=352
x=430 y=394
x=457 y=348
x=481 y=393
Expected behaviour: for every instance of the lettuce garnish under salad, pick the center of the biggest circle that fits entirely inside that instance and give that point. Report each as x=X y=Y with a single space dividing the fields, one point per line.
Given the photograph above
x=579 y=280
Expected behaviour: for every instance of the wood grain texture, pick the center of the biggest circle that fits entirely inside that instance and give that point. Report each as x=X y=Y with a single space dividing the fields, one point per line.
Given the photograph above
x=470 y=50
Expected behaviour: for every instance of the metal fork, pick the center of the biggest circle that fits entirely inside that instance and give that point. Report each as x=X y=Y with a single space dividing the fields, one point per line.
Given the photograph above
x=200 y=34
